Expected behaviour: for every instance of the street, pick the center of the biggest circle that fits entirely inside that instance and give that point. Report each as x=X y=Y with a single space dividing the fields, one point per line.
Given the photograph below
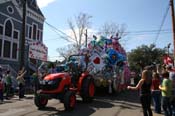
x=124 y=104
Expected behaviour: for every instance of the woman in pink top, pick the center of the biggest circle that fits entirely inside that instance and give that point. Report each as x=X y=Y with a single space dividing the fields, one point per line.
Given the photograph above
x=156 y=93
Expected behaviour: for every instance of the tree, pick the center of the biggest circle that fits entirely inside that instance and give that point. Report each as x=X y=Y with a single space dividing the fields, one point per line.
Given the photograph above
x=143 y=56
x=66 y=51
x=78 y=28
x=111 y=29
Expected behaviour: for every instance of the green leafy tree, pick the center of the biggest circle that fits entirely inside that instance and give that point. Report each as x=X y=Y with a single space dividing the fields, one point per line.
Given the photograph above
x=144 y=55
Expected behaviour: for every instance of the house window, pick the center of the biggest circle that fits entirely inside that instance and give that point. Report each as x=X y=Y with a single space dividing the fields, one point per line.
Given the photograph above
x=38 y=35
x=1 y=30
x=41 y=35
x=30 y=32
x=6 y=49
x=27 y=30
x=10 y=9
x=8 y=29
x=15 y=35
x=34 y=32
x=0 y=46
x=14 y=52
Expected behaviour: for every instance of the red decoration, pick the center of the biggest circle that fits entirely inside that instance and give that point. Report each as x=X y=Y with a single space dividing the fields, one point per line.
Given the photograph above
x=96 y=60
x=167 y=60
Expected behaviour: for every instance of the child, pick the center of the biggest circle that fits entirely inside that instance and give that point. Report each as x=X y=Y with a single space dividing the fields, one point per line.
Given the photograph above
x=1 y=90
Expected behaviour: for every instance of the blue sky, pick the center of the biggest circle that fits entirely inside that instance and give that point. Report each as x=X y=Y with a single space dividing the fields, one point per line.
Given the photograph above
x=137 y=15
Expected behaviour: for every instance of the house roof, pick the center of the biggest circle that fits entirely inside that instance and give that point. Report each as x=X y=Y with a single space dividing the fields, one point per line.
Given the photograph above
x=32 y=4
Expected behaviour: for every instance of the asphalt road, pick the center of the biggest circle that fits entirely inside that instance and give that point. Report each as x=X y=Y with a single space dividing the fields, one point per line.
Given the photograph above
x=123 y=104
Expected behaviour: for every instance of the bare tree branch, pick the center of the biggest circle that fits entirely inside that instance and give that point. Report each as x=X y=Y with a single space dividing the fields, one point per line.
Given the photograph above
x=111 y=29
x=66 y=51
x=72 y=27
x=77 y=27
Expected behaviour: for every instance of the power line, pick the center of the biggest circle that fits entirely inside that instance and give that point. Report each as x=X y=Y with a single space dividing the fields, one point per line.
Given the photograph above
x=164 y=17
x=57 y=30
x=155 y=33
x=142 y=31
x=130 y=34
x=147 y=31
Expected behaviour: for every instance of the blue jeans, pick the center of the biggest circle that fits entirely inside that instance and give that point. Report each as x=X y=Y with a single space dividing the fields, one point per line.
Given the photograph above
x=166 y=106
x=156 y=95
x=173 y=105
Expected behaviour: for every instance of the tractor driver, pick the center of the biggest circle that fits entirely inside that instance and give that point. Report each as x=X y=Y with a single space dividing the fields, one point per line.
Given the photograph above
x=74 y=71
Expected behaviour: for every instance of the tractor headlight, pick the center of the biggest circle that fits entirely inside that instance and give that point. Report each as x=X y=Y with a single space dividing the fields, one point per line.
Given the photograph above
x=50 y=84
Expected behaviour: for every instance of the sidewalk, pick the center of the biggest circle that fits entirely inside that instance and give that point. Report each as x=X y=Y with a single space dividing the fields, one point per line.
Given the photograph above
x=15 y=98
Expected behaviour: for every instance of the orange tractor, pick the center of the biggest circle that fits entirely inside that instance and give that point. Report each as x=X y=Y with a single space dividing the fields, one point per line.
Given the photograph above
x=66 y=85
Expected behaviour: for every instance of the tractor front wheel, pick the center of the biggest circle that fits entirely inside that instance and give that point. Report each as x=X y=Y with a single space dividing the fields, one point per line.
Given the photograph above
x=69 y=100
x=40 y=101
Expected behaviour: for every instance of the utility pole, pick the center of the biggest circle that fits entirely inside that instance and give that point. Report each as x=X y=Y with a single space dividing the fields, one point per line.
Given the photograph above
x=22 y=49
x=168 y=46
x=86 y=36
x=173 y=23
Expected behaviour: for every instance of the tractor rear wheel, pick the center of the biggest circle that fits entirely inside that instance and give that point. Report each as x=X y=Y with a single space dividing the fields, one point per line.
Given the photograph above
x=88 y=89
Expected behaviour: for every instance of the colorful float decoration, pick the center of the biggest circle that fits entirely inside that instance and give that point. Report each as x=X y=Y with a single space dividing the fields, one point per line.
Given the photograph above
x=107 y=63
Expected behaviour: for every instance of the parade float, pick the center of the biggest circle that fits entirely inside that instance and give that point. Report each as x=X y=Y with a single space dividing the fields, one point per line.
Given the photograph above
x=107 y=63
x=105 y=60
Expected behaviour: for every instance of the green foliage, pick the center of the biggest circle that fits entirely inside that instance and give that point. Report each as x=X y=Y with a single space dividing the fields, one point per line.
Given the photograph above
x=144 y=55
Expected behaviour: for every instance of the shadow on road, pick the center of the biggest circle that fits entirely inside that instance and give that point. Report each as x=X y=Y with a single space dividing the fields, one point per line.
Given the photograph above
x=83 y=109
x=125 y=96
x=124 y=100
x=129 y=96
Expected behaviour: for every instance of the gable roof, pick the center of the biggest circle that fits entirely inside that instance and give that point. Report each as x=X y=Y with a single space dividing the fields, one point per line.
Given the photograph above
x=3 y=1
x=32 y=4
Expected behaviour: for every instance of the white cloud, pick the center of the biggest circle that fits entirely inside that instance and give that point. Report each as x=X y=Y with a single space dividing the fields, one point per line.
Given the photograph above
x=44 y=3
